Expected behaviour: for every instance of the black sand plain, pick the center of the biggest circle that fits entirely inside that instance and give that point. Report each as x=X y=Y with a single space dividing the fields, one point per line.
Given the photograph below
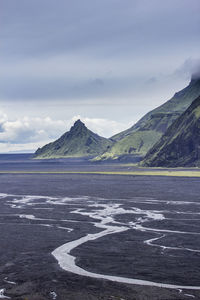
x=28 y=270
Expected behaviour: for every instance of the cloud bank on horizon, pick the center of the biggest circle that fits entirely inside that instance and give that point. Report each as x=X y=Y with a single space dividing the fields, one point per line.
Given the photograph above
x=28 y=133
x=109 y=61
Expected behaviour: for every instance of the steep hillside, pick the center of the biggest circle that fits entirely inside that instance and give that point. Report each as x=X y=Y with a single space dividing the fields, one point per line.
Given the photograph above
x=138 y=139
x=77 y=142
x=180 y=145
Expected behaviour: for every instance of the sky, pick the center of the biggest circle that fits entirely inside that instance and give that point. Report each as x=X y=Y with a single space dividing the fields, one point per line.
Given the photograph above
x=107 y=62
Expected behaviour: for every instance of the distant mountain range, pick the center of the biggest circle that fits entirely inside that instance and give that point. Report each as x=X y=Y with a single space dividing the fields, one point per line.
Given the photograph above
x=180 y=145
x=138 y=139
x=78 y=142
x=166 y=136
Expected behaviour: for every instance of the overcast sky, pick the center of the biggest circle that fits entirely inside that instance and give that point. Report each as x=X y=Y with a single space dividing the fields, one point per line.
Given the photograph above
x=107 y=62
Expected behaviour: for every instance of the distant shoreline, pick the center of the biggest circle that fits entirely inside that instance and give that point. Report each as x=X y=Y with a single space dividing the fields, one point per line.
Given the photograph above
x=168 y=173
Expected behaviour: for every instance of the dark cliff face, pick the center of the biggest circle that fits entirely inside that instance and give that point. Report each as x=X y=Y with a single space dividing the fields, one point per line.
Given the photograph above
x=180 y=145
x=78 y=142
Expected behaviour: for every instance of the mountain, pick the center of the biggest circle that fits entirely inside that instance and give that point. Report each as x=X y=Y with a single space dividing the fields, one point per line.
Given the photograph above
x=77 y=142
x=137 y=140
x=180 y=145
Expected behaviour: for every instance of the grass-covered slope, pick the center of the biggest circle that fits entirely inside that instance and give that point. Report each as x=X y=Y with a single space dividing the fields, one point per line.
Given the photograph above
x=126 y=146
x=138 y=139
x=180 y=145
x=77 y=142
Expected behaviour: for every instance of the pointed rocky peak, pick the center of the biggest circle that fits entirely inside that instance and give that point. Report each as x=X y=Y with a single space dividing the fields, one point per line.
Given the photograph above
x=78 y=142
x=78 y=126
x=79 y=123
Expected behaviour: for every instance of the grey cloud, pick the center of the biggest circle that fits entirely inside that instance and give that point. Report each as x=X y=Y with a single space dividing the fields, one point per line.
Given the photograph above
x=49 y=89
x=29 y=130
x=189 y=69
x=78 y=54
x=98 y=82
x=46 y=27
x=151 y=81
x=43 y=27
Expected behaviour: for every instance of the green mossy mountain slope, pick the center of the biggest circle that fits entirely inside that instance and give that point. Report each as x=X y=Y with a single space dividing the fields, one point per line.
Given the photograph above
x=78 y=142
x=180 y=145
x=141 y=137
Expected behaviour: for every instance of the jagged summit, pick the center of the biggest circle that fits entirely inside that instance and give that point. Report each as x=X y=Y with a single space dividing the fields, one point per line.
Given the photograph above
x=78 y=123
x=78 y=126
x=79 y=141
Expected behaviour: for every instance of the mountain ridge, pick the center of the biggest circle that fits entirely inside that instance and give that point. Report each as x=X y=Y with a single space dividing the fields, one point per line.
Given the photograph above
x=169 y=105
x=138 y=139
x=77 y=142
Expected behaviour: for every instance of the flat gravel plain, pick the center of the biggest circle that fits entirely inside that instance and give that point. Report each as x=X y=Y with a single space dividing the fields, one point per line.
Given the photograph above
x=81 y=236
